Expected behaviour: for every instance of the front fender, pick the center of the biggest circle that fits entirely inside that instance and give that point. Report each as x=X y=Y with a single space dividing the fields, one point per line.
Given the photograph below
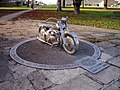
x=73 y=34
x=75 y=37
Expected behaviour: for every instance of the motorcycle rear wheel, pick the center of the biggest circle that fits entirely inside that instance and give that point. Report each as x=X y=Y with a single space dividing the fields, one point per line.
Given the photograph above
x=41 y=34
x=70 y=46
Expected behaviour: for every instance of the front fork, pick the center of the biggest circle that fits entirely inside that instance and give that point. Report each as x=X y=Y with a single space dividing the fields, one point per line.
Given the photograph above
x=62 y=37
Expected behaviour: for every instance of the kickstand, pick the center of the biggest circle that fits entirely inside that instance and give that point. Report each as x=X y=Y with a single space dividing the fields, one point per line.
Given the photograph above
x=59 y=47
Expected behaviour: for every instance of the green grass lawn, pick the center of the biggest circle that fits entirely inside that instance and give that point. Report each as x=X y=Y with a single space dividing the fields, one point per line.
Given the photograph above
x=90 y=17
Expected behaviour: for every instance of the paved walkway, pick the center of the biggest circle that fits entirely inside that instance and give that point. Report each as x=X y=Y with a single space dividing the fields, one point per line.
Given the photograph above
x=13 y=15
x=14 y=76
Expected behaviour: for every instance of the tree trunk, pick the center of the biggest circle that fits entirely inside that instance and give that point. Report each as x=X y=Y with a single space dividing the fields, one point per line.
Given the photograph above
x=77 y=4
x=28 y=3
x=83 y=1
x=105 y=4
x=59 y=5
x=32 y=5
x=63 y=3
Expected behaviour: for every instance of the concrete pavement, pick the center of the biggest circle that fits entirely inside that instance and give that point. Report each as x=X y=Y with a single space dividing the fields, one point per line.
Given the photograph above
x=14 y=76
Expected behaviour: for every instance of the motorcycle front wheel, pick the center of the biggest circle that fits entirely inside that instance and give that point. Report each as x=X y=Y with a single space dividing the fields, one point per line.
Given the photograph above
x=70 y=45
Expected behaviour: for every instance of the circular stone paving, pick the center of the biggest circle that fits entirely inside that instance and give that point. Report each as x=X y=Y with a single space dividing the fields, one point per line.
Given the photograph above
x=36 y=54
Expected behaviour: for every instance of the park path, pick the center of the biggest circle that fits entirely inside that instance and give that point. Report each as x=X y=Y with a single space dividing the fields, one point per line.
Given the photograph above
x=11 y=16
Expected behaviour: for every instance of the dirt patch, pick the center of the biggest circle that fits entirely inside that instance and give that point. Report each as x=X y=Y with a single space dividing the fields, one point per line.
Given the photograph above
x=39 y=15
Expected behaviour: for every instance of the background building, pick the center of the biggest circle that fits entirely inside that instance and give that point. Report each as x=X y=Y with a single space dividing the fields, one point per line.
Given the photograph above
x=99 y=3
x=8 y=3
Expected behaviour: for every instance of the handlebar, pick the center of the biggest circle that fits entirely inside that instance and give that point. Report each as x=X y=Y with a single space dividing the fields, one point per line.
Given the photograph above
x=51 y=18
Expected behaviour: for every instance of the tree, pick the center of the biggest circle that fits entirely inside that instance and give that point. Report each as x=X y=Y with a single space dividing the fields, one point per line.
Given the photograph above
x=28 y=3
x=32 y=5
x=83 y=1
x=59 y=5
x=63 y=3
x=77 y=4
x=105 y=4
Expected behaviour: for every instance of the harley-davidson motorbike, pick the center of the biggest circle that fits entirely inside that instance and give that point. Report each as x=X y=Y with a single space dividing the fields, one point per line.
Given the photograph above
x=59 y=35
